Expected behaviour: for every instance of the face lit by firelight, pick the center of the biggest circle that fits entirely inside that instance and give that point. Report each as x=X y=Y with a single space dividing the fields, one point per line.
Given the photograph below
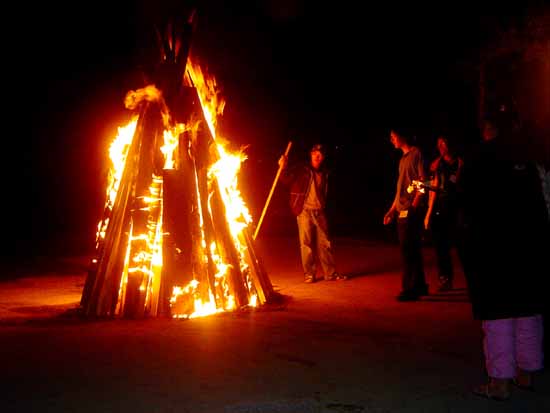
x=442 y=146
x=317 y=158
x=396 y=140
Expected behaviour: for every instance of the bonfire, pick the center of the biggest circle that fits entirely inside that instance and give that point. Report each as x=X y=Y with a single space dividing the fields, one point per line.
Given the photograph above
x=175 y=236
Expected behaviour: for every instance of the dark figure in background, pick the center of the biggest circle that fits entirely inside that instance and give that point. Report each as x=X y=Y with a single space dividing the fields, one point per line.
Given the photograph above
x=308 y=194
x=507 y=241
x=408 y=208
x=443 y=210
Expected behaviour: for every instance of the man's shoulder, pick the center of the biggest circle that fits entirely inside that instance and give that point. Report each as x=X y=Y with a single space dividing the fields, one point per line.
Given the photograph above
x=412 y=155
x=415 y=150
x=299 y=167
x=297 y=170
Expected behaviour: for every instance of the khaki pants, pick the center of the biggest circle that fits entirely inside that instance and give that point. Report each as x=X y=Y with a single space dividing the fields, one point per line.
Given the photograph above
x=315 y=243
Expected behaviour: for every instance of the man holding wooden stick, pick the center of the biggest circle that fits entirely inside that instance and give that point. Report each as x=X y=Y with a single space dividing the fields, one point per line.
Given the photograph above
x=308 y=192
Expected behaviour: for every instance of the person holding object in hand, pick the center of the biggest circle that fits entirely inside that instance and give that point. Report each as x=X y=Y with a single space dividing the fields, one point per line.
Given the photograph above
x=308 y=194
x=407 y=208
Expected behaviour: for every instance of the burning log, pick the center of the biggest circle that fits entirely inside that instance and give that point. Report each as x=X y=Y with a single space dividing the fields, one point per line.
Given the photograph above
x=144 y=217
x=178 y=216
x=103 y=280
x=257 y=269
x=201 y=160
x=227 y=248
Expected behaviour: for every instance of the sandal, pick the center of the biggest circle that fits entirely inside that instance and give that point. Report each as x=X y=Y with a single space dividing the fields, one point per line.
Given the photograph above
x=488 y=391
x=522 y=386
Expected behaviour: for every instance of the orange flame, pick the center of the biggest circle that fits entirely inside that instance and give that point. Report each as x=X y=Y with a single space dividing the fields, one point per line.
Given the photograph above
x=224 y=173
x=144 y=251
x=118 y=152
x=148 y=94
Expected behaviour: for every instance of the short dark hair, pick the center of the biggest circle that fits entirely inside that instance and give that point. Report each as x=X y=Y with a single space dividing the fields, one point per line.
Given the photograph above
x=404 y=134
x=450 y=141
x=318 y=147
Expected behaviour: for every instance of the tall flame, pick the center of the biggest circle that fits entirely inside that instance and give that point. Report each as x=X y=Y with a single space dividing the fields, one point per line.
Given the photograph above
x=222 y=173
x=118 y=152
x=144 y=250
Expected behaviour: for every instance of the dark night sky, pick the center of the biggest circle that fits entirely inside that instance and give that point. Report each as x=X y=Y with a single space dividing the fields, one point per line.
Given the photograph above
x=335 y=73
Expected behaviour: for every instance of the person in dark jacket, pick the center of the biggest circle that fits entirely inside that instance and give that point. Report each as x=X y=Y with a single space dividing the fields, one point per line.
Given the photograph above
x=444 y=208
x=507 y=239
x=308 y=193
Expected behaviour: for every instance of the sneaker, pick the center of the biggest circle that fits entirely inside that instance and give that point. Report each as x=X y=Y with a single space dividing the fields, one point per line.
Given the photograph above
x=336 y=276
x=445 y=284
x=424 y=290
x=407 y=296
x=524 y=380
x=495 y=389
x=309 y=279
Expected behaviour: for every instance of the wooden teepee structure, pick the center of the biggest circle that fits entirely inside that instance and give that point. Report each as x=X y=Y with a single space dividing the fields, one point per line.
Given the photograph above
x=174 y=239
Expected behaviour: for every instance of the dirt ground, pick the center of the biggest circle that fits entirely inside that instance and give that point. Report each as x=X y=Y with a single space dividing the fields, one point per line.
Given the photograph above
x=345 y=346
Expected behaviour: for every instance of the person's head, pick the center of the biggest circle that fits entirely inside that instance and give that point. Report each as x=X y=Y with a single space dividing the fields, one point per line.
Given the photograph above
x=317 y=155
x=489 y=130
x=399 y=138
x=443 y=146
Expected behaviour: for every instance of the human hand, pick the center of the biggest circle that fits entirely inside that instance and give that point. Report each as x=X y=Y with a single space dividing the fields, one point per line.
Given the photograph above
x=427 y=221
x=388 y=218
x=283 y=160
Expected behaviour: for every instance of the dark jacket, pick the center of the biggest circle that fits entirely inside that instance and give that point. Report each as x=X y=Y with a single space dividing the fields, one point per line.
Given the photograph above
x=507 y=235
x=299 y=179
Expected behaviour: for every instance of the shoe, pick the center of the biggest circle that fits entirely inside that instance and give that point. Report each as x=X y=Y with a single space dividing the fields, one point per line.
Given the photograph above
x=445 y=284
x=309 y=279
x=407 y=296
x=336 y=276
x=495 y=389
x=524 y=381
x=424 y=290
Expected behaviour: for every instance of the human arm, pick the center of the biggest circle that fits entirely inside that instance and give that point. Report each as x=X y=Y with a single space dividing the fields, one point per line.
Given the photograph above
x=286 y=172
x=418 y=195
x=390 y=215
x=431 y=200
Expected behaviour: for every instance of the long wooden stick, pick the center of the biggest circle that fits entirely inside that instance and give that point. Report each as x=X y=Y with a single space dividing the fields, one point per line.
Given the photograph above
x=271 y=193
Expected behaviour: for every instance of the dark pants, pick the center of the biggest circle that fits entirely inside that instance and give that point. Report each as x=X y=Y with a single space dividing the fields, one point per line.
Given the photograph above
x=410 y=239
x=443 y=233
x=446 y=234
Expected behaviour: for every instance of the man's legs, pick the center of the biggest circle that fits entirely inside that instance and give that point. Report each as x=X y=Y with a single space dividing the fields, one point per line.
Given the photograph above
x=305 y=234
x=415 y=228
x=324 y=246
x=500 y=362
x=529 y=349
x=441 y=230
x=404 y=241
x=413 y=280
x=499 y=348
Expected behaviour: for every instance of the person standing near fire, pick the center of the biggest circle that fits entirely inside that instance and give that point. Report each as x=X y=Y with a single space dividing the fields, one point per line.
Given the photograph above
x=407 y=207
x=508 y=232
x=308 y=193
x=443 y=209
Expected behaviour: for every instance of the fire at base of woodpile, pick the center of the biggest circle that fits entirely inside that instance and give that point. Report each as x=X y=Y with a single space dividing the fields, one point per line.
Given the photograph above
x=175 y=236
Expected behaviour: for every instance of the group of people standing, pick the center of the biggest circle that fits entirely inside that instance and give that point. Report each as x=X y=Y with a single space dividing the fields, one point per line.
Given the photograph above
x=490 y=206
x=413 y=213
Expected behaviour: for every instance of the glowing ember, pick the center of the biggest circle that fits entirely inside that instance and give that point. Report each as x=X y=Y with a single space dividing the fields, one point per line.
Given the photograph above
x=170 y=144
